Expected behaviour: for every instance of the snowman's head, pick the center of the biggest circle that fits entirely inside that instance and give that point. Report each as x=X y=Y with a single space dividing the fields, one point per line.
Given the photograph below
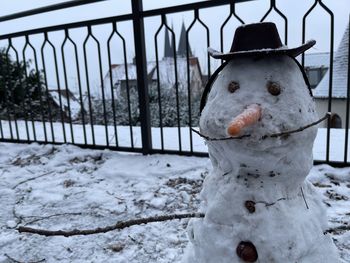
x=273 y=88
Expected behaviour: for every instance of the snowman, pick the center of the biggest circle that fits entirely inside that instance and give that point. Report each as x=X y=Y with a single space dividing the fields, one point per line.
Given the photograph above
x=258 y=116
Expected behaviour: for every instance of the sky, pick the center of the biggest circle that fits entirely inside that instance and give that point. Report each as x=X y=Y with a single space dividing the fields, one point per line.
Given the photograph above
x=317 y=27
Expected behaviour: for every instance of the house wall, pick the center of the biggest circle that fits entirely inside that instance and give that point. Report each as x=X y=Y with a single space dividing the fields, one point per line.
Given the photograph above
x=196 y=81
x=132 y=87
x=338 y=107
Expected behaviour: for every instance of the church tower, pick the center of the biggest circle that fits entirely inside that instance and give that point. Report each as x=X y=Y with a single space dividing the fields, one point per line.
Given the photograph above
x=181 y=50
x=168 y=50
x=169 y=42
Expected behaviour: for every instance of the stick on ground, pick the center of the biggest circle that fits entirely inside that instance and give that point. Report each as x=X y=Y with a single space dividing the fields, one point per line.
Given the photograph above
x=117 y=226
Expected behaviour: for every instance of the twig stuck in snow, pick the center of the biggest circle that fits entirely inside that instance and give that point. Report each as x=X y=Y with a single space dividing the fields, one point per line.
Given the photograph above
x=271 y=204
x=219 y=139
x=274 y=135
x=16 y=261
x=337 y=229
x=118 y=225
x=31 y=179
x=302 y=193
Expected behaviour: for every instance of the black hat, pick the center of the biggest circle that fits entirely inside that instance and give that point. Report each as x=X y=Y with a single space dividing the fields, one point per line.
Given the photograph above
x=258 y=39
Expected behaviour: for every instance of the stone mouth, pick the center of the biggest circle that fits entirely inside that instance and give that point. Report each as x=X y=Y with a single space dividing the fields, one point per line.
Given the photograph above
x=283 y=134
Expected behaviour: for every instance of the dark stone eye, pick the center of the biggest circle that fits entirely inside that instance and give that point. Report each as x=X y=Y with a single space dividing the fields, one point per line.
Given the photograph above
x=233 y=86
x=274 y=88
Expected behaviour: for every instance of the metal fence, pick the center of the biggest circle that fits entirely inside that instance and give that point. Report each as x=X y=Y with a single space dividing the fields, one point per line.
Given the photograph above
x=47 y=115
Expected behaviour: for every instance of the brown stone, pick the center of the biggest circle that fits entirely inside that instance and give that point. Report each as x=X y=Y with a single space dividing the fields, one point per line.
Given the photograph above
x=233 y=86
x=274 y=88
x=250 y=205
x=247 y=251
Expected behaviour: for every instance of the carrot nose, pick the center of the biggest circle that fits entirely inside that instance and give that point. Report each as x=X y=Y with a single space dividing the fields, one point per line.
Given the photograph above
x=248 y=117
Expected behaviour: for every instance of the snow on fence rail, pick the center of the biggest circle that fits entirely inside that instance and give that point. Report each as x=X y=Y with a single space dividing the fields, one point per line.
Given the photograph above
x=170 y=134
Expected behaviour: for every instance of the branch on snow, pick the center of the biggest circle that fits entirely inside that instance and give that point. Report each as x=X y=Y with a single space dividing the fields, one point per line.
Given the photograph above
x=31 y=179
x=16 y=261
x=337 y=229
x=117 y=226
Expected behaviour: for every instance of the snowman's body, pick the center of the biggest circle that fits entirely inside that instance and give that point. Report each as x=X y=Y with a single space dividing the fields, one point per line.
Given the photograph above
x=268 y=173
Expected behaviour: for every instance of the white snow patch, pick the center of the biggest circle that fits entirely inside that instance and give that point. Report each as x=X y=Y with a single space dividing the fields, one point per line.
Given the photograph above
x=112 y=189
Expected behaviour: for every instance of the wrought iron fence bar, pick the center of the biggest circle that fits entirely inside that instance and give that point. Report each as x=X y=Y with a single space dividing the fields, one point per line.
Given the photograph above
x=274 y=7
x=176 y=85
x=232 y=13
x=27 y=91
x=67 y=86
x=196 y=14
x=59 y=90
x=127 y=86
x=120 y=18
x=182 y=153
x=189 y=84
x=128 y=91
x=336 y=164
x=88 y=85
x=1 y=130
x=111 y=81
x=189 y=7
x=6 y=98
x=347 y=104
x=141 y=68
x=129 y=110
x=330 y=70
x=158 y=82
x=222 y=32
x=81 y=98
x=102 y=87
x=49 y=8
x=285 y=25
x=8 y=107
x=304 y=29
x=21 y=85
x=93 y=22
x=39 y=87
x=268 y=11
x=47 y=87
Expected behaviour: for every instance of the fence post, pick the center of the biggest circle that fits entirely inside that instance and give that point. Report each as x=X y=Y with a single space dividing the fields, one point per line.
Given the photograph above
x=141 y=69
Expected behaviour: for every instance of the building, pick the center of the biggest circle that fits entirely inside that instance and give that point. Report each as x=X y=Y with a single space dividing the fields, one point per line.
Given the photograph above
x=339 y=86
x=162 y=73
x=316 y=66
x=66 y=95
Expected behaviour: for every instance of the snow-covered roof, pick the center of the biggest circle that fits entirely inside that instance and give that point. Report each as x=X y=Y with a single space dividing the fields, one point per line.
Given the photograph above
x=317 y=60
x=340 y=72
x=118 y=71
x=166 y=72
x=74 y=103
x=119 y=74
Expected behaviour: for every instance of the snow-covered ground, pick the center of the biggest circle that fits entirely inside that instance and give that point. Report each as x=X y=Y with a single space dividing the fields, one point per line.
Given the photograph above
x=170 y=135
x=65 y=187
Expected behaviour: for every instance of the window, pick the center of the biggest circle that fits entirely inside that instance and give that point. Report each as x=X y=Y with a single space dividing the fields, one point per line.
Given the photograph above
x=314 y=76
x=335 y=121
x=323 y=71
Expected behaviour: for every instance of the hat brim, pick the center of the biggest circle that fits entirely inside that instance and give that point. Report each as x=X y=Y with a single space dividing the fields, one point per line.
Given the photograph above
x=262 y=52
